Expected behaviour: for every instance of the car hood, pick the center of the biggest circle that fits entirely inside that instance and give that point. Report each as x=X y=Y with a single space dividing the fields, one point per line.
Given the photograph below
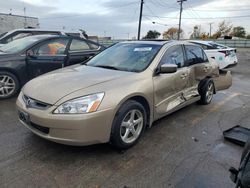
x=51 y=87
x=5 y=56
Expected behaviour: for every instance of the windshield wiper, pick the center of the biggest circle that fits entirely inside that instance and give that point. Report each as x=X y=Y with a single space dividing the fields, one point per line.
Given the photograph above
x=107 y=67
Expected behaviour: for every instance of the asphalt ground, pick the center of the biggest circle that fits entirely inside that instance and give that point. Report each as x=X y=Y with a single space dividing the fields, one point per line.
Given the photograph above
x=185 y=149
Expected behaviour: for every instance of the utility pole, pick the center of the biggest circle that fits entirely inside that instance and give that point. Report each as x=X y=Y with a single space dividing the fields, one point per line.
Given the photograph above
x=25 y=18
x=210 y=31
x=181 y=8
x=140 y=17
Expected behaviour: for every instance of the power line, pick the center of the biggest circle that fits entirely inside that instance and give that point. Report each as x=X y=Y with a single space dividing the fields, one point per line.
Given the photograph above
x=224 y=10
x=166 y=6
x=243 y=16
x=192 y=10
x=151 y=11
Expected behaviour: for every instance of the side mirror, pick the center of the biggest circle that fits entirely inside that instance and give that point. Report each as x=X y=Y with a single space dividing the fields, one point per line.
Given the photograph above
x=30 y=53
x=168 y=68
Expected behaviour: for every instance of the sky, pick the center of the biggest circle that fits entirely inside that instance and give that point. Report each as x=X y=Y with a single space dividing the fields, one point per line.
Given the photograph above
x=119 y=18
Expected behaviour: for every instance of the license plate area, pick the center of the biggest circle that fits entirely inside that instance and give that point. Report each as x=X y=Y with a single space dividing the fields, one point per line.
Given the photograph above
x=23 y=116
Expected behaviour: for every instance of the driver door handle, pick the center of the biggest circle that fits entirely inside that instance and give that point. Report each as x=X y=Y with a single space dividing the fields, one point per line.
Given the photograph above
x=206 y=68
x=184 y=76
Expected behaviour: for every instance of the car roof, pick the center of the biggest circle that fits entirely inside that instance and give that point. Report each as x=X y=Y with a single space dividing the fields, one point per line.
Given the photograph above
x=207 y=42
x=43 y=36
x=158 y=42
x=45 y=30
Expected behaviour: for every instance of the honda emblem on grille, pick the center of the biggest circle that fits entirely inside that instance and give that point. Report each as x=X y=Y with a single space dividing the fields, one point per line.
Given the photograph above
x=28 y=103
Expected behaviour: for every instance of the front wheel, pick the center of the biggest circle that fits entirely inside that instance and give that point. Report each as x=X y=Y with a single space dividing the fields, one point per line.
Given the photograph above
x=128 y=125
x=9 y=85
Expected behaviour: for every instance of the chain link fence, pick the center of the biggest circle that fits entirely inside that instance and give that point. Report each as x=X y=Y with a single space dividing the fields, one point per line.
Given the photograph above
x=239 y=43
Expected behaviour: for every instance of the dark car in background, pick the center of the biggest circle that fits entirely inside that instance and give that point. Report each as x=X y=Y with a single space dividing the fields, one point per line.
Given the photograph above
x=21 y=33
x=26 y=58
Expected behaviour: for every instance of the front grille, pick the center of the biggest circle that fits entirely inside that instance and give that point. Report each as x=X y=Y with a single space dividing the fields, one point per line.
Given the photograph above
x=44 y=130
x=32 y=103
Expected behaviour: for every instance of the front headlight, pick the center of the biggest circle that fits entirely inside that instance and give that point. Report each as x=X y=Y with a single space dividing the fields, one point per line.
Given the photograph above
x=82 y=105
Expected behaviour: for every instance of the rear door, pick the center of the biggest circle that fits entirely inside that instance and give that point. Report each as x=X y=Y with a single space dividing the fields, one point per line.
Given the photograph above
x=169 y=88
x=47 y=56
x=199 y=68
x=79 y=51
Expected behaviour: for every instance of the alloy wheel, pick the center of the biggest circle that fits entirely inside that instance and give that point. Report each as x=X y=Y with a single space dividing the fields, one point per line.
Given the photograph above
x=7 y=85
x=131 y=126
x=210 y=92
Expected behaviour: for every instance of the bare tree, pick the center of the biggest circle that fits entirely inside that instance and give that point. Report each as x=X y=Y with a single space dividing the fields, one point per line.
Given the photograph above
x=172 y=33
x=224 y=28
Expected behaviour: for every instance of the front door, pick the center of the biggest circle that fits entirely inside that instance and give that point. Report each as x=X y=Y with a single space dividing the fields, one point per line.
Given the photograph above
x=169 y=88
x=46 y=57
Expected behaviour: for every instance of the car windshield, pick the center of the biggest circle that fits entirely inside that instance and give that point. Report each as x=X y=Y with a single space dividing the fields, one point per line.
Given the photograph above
x=1 y=35
x=133 y=57
x=18 y=45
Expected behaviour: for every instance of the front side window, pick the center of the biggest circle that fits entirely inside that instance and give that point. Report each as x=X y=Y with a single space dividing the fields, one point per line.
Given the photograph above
x=78 y=45
x=195 y=55
x=132 y=57
x=174 y=55
x=52 y=47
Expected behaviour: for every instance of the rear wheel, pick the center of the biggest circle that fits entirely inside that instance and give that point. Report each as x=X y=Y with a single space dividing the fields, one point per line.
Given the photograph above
x=9 y=85
x=207 y=92
x=128 y=125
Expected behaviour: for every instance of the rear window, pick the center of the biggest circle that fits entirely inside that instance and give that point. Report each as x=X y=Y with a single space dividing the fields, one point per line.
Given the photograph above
x=217 y=46
x=93 y=46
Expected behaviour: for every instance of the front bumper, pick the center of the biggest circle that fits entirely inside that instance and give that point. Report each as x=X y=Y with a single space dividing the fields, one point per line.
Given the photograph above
x=74 y=129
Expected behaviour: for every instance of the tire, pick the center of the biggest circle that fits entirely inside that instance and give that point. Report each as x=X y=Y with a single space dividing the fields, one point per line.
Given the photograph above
x=206 y=91
x=245 y=150
x=125 y=130
x=245 y=167
x=9 y=85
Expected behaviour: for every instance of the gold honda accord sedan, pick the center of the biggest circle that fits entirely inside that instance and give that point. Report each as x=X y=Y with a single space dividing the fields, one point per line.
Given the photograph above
x=119 y=92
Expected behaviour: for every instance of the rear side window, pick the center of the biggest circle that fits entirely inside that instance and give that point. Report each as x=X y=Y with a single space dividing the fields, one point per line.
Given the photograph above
x=195 y=55
x=93 y=46
x=174 y=55
x=52 y=47
x=78 y=45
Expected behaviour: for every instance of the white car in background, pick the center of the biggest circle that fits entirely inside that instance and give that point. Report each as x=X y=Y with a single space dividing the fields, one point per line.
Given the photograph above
x=223 y=55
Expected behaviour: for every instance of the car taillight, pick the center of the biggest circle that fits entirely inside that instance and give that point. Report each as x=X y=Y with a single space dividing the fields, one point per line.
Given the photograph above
x=226 y=52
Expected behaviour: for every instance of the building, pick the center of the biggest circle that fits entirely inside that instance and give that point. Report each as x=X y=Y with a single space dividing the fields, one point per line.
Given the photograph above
x=9 y=22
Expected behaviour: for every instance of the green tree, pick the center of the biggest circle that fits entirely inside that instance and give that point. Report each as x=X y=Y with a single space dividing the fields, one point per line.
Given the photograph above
x=248 y=37
x=152 y=35
x=238 y=32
